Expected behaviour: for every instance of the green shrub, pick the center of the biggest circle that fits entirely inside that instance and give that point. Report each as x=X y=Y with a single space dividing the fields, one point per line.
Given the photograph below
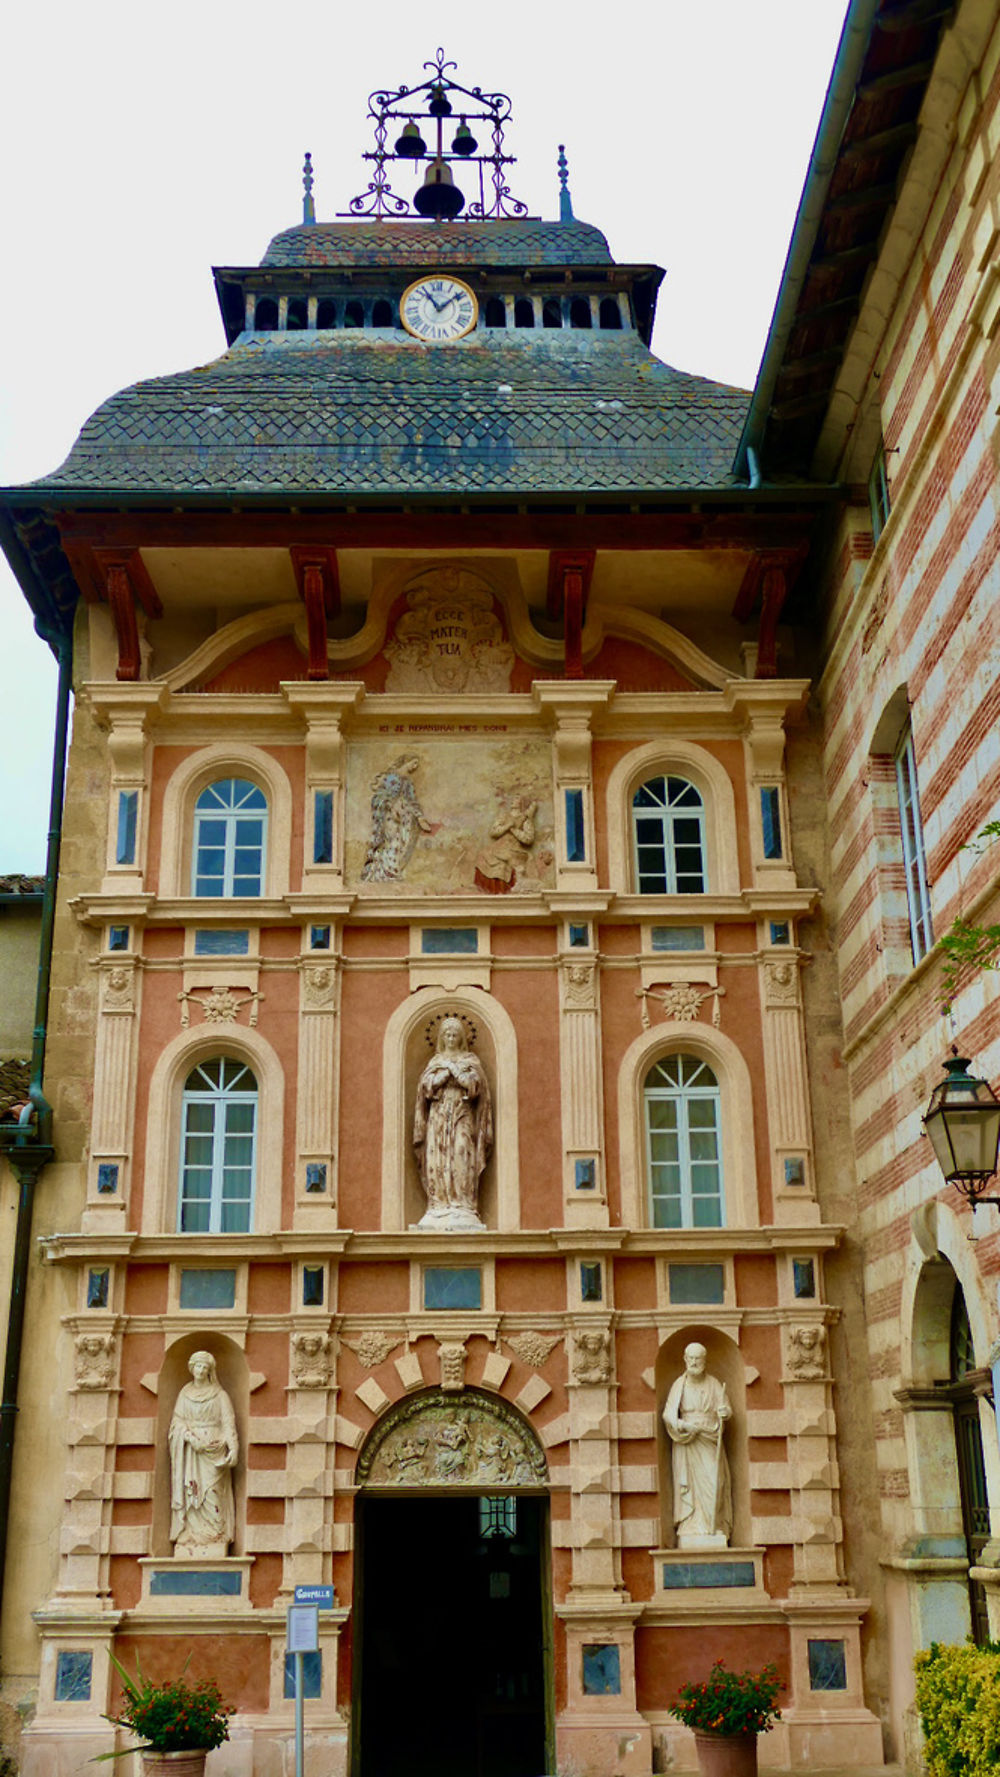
x=958 y=1696
x=172 y=1717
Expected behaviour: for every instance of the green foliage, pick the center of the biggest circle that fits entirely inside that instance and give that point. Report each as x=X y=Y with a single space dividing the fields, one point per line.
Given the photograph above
x=958 y=1696
x=967 y=946
x=730 y=1702
x=175 y=1717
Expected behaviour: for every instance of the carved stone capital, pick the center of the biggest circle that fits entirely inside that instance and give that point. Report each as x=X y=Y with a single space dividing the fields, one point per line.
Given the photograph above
x=579 y=986
x=311 y=1360
x=118 y=987
x=95 y=1358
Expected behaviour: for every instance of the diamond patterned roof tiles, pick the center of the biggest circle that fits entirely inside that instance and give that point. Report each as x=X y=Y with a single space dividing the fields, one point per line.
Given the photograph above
x=359 y=412
x=527 y=242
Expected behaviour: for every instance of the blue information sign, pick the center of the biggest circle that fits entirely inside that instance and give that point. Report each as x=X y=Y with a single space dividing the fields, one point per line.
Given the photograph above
x=321 y=1596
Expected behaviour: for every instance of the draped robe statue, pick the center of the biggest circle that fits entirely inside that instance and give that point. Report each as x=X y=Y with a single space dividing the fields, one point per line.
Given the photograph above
x=695 y=1415
x=203 y=1450
x=452 y=1131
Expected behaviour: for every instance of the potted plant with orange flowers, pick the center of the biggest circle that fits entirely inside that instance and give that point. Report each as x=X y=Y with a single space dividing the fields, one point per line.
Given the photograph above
x=178 y=1723
x=727 y=1711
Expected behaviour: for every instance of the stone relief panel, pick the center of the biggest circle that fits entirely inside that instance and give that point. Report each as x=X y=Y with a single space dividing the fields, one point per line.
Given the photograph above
x=457 y=813
x=533 y=1348
x=440 y=1440
x=591 y=1359
x=806 y=1352
x=449 y=638
x=95 y=1360
x=374 y=1347
x=311 y=1360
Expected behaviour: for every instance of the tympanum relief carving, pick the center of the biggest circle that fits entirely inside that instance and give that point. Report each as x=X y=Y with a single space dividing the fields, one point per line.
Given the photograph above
x=443 y=1440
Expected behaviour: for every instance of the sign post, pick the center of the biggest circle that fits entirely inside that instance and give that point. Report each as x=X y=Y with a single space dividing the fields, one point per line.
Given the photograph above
x=302 y=1637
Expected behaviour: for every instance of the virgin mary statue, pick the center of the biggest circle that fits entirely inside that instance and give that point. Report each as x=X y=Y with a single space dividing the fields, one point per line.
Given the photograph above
x=203 y=1451
x=452 y=1131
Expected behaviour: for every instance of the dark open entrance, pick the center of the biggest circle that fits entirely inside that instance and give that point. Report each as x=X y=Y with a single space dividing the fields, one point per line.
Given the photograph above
x=452 y=1667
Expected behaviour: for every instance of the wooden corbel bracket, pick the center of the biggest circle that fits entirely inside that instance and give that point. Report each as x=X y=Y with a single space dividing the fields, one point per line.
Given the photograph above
x=123 y=581
x=771 y=574
x=570 y=574
x=318 y=580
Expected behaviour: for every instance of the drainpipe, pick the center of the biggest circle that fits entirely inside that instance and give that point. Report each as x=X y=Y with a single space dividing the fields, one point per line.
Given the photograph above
x=27 y=1143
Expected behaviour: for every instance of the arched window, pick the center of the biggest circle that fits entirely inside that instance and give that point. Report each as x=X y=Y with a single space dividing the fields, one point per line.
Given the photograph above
x=354 y=314
x=611 y=314
x=579 y=312
x=683 y=1143
x=326 y=313
x=230 y=827
x=298 y=314
x=265 y=315
x=552 y=315
x=496 y=312
x=218 y=1143
x=668 y=825
x=524 y=312
x=382 y=315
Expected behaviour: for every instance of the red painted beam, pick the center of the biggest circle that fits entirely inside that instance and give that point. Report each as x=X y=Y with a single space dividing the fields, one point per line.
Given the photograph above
x=318 y=581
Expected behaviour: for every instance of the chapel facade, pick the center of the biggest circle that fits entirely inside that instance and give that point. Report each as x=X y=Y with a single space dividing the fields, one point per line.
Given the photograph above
x=452 y=1199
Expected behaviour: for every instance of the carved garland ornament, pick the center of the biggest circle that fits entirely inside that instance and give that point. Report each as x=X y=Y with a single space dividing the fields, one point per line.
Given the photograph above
x=680 y=1000
x=440 y=1440
x=373 y=1348
x=533 y=1348
x=220 y=1006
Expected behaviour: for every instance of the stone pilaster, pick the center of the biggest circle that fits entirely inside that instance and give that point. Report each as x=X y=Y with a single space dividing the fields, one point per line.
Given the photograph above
x=786 y=1081
x=319 y=1074
x=114 y=1092
x=582 y=1098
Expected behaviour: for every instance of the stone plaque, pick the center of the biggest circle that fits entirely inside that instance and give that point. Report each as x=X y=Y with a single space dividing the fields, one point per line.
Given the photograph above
x=439 y=1441
x=449 y=638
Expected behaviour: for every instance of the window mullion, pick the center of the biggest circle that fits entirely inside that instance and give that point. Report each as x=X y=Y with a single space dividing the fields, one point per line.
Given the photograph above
x=218 y=1161
x=684 y=1158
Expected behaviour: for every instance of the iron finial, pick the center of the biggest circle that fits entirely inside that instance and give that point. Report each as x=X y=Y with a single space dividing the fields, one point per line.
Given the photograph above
x=565 y=200
x=308 y=207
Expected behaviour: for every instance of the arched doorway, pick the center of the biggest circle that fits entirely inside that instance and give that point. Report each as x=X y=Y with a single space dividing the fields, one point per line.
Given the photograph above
x=965 y=1387
x=452 y=1613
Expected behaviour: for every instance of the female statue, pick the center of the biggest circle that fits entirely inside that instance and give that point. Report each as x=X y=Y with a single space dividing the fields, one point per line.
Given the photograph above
x=397 y=822
x=203 y=1451
x=695 y=1414
x=452 y=1130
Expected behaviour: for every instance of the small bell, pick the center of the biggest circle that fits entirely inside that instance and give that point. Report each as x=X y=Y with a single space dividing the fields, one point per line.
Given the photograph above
x=439 y=196
x=465 y=142
x=440 y=104
x=410 y=145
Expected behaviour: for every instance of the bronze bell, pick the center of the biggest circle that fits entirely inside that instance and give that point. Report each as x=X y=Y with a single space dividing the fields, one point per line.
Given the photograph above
x=439 y=196
x=465 y=142
x=440 y=105
x=410 y=145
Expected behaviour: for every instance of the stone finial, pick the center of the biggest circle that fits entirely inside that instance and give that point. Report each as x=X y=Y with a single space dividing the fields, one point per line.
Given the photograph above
x=565 y=200
x=308 y=207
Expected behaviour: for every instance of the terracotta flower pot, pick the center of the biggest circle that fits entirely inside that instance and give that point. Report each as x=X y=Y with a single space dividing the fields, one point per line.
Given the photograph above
x=726 y=1755
x=175 y=1764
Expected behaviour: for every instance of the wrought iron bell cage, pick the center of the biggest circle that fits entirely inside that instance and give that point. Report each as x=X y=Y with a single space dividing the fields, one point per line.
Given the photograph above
x=435 y=122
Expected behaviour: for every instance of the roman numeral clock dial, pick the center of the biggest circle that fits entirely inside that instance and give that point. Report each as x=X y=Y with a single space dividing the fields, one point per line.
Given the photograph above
x=437 y=309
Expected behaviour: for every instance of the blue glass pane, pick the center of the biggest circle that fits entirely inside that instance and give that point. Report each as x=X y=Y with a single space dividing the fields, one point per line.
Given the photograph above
x=445 y=1287
x=697 y=1283
x=827 y=1666
x=323 y=827
x=312 y=1675
x=128 y=812
x=73 y=1676
x=208 y=1289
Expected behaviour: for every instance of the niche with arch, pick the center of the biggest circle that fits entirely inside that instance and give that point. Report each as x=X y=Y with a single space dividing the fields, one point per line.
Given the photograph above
x=725 y=1362
x=233 y=1375
x=417 y=1054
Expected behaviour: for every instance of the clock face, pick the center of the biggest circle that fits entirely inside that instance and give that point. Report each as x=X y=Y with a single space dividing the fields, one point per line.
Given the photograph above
x=438 y=308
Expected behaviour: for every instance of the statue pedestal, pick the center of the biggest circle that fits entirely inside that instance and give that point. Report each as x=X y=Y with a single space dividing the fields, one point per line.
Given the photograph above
x=448 y=1221
x=715 y=1539
x=175 y=1582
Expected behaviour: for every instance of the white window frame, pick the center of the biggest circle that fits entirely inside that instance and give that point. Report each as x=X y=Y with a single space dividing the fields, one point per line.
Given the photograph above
x=218 y=1098
x=682 y=1093
x=240 y=808
x=670 y=812
x=918 y=900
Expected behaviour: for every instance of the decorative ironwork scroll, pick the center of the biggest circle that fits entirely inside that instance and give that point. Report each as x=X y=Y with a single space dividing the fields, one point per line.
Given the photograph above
x=436 y=102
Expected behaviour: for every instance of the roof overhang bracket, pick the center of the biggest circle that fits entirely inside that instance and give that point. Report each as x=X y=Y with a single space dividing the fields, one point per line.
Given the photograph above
x=770 y=574
x=318 y=579
x=123 y=581
x=570 y=574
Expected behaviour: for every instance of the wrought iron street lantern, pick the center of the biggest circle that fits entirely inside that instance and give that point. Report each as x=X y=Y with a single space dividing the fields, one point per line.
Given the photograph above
x=409 y=125
x=963 y=1122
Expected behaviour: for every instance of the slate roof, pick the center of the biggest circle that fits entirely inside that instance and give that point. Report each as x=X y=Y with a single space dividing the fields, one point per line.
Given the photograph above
x=15 y=1079
x=528 y=242
x=378 y=413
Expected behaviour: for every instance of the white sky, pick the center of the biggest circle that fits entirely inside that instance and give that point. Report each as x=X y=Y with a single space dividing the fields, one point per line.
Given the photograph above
x=142 y=144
